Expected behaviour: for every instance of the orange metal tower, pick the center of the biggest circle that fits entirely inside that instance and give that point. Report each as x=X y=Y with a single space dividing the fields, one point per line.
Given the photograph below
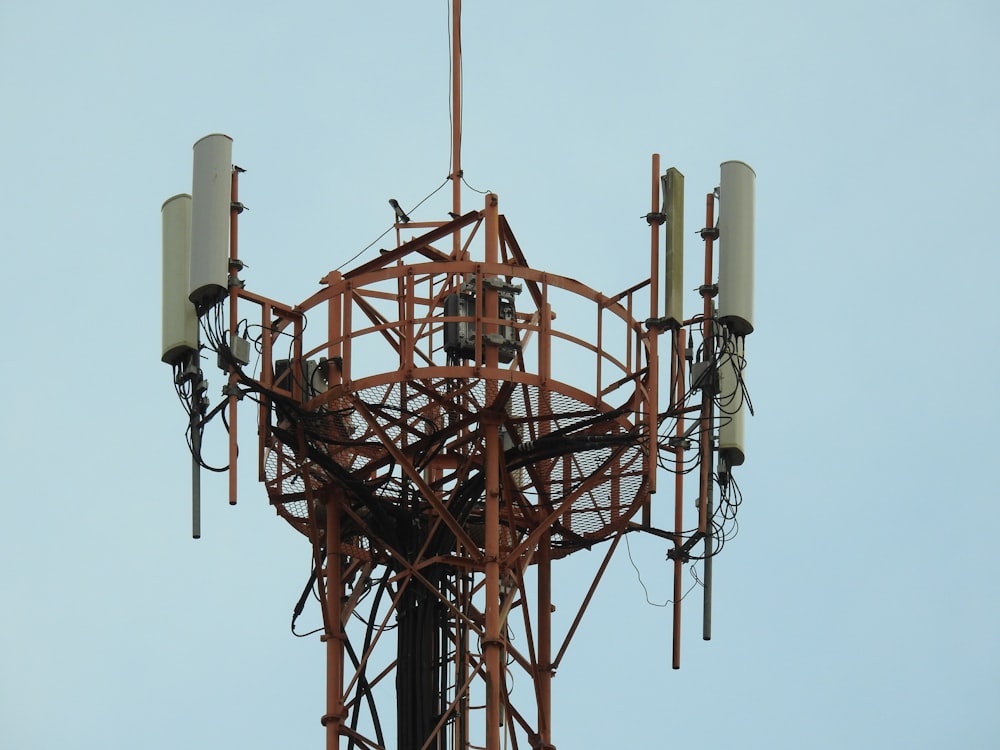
x=446 y=438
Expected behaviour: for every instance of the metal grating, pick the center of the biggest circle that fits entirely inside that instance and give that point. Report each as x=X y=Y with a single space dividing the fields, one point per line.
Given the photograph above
x=578 y=468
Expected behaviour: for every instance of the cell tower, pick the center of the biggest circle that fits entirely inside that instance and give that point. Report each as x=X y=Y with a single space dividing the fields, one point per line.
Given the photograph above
x=442 y=438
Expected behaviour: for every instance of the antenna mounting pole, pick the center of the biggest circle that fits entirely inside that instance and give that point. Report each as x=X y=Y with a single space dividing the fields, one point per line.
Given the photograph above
x=456 y=119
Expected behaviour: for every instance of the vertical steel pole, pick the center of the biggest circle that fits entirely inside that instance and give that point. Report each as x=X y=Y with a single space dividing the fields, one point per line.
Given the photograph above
x=233 y=321
x=456 y=120
x=461 y=741
x=491 y=421
x=334 y=637
x=678 y=398
x=707 y=419
x=708 y=473
x=652 y=337
x=335 y=334
x=654 y=243
x=492 y=643
x=196 y=413
x=706 y=615
x=267 y=380
x=544 y=676
x=706 y=333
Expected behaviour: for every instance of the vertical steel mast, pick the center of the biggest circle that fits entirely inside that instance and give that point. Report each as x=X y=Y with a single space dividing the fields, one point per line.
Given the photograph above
x=456 y=117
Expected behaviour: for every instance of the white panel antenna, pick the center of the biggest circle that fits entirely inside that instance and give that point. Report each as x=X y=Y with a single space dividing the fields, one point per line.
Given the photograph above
x=180 y=320
x=736 y=246
x=211 y=206
x=673 y=210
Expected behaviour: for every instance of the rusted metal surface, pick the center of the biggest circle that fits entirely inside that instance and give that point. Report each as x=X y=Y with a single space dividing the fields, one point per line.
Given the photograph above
x=456 y=473
x=444 y=423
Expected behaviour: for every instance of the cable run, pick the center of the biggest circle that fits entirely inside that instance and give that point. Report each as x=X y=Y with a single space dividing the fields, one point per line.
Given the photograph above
x=371 y=244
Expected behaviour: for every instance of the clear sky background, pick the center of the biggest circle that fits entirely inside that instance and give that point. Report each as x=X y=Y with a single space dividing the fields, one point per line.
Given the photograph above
x=858 y=606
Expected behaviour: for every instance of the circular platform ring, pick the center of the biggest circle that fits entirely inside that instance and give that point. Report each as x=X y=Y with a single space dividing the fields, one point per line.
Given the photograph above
x=585 y=460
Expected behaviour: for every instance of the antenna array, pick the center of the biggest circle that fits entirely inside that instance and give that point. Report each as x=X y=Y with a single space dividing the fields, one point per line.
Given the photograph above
x=442 y=438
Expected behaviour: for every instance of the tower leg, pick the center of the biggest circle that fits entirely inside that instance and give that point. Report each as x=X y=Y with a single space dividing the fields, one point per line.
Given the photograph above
x=334 y=637
x=492 y=644
x=544 y=677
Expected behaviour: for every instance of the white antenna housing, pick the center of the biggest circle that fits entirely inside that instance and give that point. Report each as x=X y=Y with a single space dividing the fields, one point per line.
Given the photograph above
x=180 y=320
x=731 y=407
x=673 y=209
x=211 y=205
x=736 y=245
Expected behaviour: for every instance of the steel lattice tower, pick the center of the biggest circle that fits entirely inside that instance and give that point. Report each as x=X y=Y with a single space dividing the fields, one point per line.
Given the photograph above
x=447 y=438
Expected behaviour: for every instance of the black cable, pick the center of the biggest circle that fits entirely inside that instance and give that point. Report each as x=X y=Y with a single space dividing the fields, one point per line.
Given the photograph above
x=393 y=226
x=364 y=249
x=301 y=603
x=650 y=602
x=429 y=195
x=198 y=455
x=475 y=190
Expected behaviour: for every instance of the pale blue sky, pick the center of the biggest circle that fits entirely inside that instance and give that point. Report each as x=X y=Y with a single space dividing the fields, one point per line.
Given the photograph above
x=858 y=605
